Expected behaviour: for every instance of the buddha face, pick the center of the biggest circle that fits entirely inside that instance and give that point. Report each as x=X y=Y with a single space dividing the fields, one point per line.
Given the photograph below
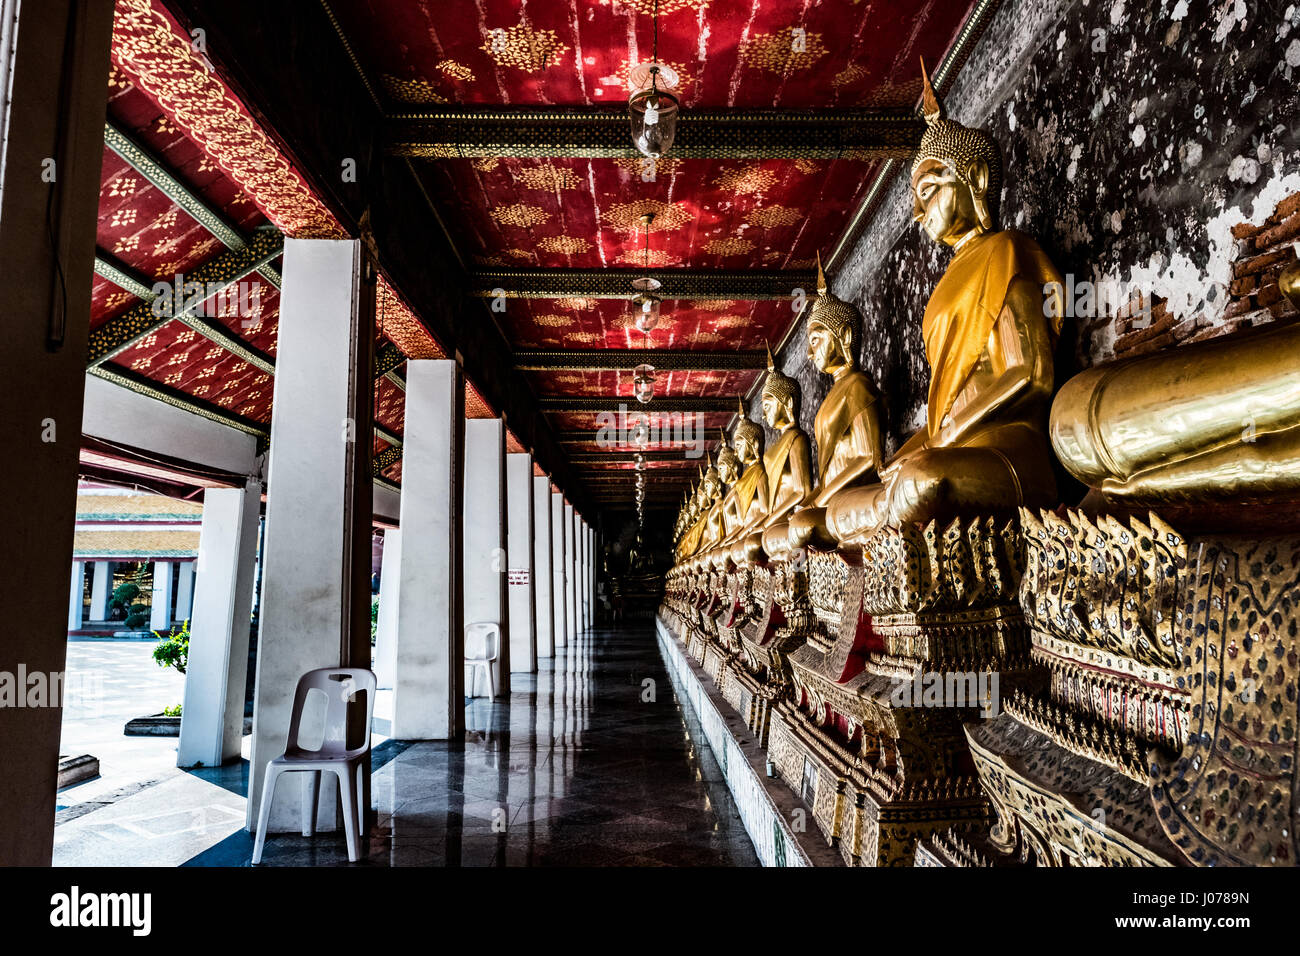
x=745 y=450
x=776 y=412
x=825 y=350
x=727 y=470
x=947 y=209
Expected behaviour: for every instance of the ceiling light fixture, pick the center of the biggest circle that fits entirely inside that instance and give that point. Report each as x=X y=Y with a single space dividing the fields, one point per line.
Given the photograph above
x=645 y=304
x=652 y=108
x=643 y=383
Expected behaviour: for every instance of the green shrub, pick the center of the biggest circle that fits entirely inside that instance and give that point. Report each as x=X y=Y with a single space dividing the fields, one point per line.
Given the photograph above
x=173 y=711
x=174 y=649
x=374 y=620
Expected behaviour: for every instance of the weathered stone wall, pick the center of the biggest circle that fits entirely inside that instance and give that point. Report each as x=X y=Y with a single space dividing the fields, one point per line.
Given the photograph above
x=1152 y=148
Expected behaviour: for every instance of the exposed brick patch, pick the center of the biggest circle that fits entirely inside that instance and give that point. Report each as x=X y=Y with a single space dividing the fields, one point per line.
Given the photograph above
x=1263 y=251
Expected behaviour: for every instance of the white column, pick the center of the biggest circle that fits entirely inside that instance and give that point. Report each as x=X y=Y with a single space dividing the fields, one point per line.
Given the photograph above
x=557 y=569
x=78 y=591
x=160 y=608
x=485 y=540
x=570 y=573
x=544 y=614
x=428 y=682
x=101 y=581
x=591 y=572
x=586 y=574
x=212 y=718
x=390 y=584
x=318 y=501
x=519 y=548
x=185 y=589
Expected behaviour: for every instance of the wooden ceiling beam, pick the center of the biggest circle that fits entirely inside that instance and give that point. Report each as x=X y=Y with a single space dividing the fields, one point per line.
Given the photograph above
x=598 y=132
x=677 y=403
x=752 y=286
x=664 y=360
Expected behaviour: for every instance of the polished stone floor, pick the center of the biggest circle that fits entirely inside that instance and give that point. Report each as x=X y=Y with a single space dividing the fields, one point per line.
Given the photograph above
x=591 y=762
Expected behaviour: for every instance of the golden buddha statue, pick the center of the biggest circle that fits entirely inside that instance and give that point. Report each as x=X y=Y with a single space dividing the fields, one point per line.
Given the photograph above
x=726 y=468
x=1212 y=421
x=788 y=463
x=847 y=426
x=747 y=501
x=984 y=447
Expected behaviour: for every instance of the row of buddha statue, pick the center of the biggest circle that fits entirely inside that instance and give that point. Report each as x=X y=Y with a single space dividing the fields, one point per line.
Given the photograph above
x=958 y=548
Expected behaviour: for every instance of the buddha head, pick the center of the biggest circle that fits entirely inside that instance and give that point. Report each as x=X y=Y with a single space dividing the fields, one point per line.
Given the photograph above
x=956 y=176
x=728 y=463
x=747 y=439
x=780 y=397
x=831 y=330
x=710 y=486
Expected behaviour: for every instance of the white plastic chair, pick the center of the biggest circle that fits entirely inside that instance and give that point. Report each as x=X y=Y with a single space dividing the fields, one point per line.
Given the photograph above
x=340 y=685
x=481 y=656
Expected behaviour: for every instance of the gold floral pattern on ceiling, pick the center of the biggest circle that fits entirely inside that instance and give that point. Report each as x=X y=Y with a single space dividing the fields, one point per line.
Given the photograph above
x=850 y=74
x=663 y=8
x=565 y=246
x=753 y=179
x=731 y=246
x=153 y=56
x=770 y=217
x=455 y=71
x=628 y=215
x=486 y=164
x=524 y=48
x=398 y=322
x=410 y=90
x=577 y=305
x=807 y=166
x=554 y=321
x=793 y=48
x=520 y=253
x=712 y=305
x=520 y=214
x=648 y=167
x=656 y=258
x=548 y=177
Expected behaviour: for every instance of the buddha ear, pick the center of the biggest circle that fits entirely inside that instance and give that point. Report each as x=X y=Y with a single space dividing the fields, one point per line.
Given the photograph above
x=977 y=173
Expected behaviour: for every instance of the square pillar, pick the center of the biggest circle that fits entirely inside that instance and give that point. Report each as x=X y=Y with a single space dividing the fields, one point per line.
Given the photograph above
x=315 y=606
x=54 y=72
x=519 y=548
x=485 y=540
x=390 y=584
x=160 y=606
x=76 y=606
x=570 y=573
x=425 y=560
x=185 y=588
x=101 y=581
x=544 y=613
x=212 y=718
x=558 y=577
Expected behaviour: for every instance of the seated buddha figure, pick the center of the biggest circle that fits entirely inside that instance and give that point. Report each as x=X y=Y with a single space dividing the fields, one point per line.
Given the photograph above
x=726 y=468
x=747 y=502
x=1214 y=422
x=847 y=426
x=788 y=463
x=989 y=331
x=706 y=497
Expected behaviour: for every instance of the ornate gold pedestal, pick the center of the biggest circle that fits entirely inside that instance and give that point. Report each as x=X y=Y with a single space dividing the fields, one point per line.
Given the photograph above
x=909 y=605
x=1167 y=735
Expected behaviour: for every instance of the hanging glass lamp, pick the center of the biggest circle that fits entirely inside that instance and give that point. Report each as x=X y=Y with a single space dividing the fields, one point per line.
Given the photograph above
x=652 y=108
x=643 y=383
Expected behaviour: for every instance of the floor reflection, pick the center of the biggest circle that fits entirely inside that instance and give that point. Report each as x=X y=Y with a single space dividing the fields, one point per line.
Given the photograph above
x=590 y=762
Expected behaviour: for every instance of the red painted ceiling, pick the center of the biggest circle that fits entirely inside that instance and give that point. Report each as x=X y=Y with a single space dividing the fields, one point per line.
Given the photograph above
x=517 y=213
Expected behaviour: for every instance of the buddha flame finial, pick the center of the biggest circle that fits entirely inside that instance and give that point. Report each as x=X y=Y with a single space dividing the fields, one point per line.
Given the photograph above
x=822 y=288
x=931 y=106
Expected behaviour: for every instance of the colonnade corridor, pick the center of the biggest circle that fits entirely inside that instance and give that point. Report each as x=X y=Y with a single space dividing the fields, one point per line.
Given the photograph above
x=590 y=761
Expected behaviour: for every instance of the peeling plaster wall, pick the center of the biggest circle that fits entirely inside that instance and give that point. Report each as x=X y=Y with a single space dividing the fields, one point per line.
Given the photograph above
x=1135 y=137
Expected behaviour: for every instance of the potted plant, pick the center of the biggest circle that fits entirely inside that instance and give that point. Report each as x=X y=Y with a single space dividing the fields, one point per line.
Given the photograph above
x=172 y=650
